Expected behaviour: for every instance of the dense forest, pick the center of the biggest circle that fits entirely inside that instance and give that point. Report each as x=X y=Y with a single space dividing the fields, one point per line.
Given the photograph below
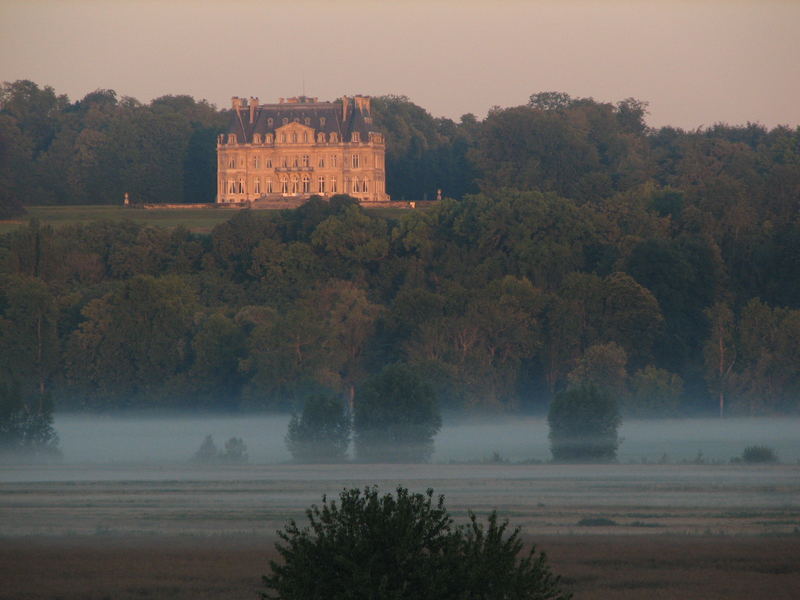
x=575 y=244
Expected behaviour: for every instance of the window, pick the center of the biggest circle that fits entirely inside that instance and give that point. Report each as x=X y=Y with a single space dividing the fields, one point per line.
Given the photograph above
x=333 y=161
x=242 y=160
x=255 y=162
x=241 y=187
x=284 y=120
x=356 y=185
x=306 y=160
x=285 y=162
x=346 y=185
x=356 y=137
x=283 y=138
x=269 y=139
x=334 y=138
x=356 y=162
x=231 y=187
x=307 y=121
x=296 y=162
x=269 y=122
x=322 y=162
x=305 y=136
x=294 y=184
x=268 y=186
x=322 y=121
x=320 y=138
x=232 y=162
x=256 y=138
x=365 y=186
x=284 y=185
x=306 y=184
x=321 y=185
x=257 y=186
x=268 y=163
x=231 y=138
x=334 y=189
x=294 y=138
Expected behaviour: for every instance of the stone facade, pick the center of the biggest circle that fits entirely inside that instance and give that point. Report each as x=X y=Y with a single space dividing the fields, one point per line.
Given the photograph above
x=298 y=148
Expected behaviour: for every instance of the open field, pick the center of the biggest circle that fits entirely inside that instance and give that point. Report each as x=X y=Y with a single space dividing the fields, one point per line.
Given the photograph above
x=178 y=531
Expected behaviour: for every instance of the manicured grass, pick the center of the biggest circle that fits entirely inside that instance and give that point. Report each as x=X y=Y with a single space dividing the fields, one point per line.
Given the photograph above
x=195 y=219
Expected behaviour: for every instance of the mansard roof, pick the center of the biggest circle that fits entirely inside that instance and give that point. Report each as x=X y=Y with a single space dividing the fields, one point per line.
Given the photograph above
x=323 y=117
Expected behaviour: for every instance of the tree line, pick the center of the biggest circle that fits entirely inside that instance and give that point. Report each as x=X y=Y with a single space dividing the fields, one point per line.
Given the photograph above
x=576 y=245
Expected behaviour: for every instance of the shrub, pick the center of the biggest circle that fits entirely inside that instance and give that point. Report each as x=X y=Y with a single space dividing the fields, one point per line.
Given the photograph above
x=404 y=546
x=207 y=453
x=583 y=425
x=396 y=417
x=235 y=452
x=759 y=454
x=321 y=433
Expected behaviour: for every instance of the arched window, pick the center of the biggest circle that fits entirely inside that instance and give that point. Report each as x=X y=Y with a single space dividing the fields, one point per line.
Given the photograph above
x=321 y=184
x=306 y=184
x=295 y=186
x=257 y=186
x=284 y=185
x=241 y=187
x=365 y=186
x=231 y=187
x=334 y=138
x=320 y=138
x=294 y=138
x=334 y=189
x=256 y=138
x=305 y=136
x=356 y=186
x=283 y=138
x=268 y=139
x=268 y=186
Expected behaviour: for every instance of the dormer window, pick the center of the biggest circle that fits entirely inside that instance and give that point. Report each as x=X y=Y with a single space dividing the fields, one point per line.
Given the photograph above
x=256 y=138
x=307 y=121
x=322 y=121
x=356 y=137
x=334 y=138
x=231 y=138
x=320 y=138
x=269 y=122
x=284 y=120
x=268 y=139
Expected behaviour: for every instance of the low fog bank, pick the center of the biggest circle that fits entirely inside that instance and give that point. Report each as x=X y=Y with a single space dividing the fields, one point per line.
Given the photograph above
x=175 y=439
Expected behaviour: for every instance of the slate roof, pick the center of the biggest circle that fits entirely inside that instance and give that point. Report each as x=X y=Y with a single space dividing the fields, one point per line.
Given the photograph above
x=315 y=112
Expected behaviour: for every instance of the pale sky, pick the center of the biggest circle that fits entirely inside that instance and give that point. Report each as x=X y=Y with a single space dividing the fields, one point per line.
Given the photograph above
x=696 y=63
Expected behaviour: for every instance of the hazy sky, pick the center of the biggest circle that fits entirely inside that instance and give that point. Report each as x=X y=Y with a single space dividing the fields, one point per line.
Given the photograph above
x=695 y=62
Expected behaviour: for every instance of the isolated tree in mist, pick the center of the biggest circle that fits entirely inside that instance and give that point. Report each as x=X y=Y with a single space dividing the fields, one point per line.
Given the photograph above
x=321 y=433
x=404 y=546
x=396 y=417
x=26 y=426
x=583 y=425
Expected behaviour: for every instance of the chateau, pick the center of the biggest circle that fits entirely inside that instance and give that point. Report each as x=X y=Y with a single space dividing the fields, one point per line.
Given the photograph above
x=298 y=148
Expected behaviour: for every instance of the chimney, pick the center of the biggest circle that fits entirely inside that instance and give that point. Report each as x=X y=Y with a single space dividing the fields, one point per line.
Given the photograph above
x=253 y=105
x=362 y=102
x=236 y=103
x=345 y=107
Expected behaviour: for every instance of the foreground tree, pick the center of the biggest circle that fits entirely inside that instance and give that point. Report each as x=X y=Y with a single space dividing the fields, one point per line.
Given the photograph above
x=321 y=433
x=396 y=417
x=404 y=546
x=583 y=425
x=26 y=427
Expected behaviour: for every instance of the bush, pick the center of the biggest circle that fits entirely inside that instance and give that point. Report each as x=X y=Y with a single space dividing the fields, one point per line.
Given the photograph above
x=321 y=433
x=235 y=452
x=405 y=546
x=583 y=425
x=759 y=455
x=396 y=417
x=26 y=428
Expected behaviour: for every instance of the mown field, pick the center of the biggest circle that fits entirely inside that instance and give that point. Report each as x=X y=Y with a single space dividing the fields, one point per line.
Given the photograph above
x=198 y=220
x=612 y=531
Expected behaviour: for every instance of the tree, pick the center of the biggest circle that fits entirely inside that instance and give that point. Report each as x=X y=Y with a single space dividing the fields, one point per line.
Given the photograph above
x=321 y=433
x=720 y=351
x=602 y=366
x=404 y=546
x=396 y=417
x=26 y=427
x=583 y=425
x=654 y=392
